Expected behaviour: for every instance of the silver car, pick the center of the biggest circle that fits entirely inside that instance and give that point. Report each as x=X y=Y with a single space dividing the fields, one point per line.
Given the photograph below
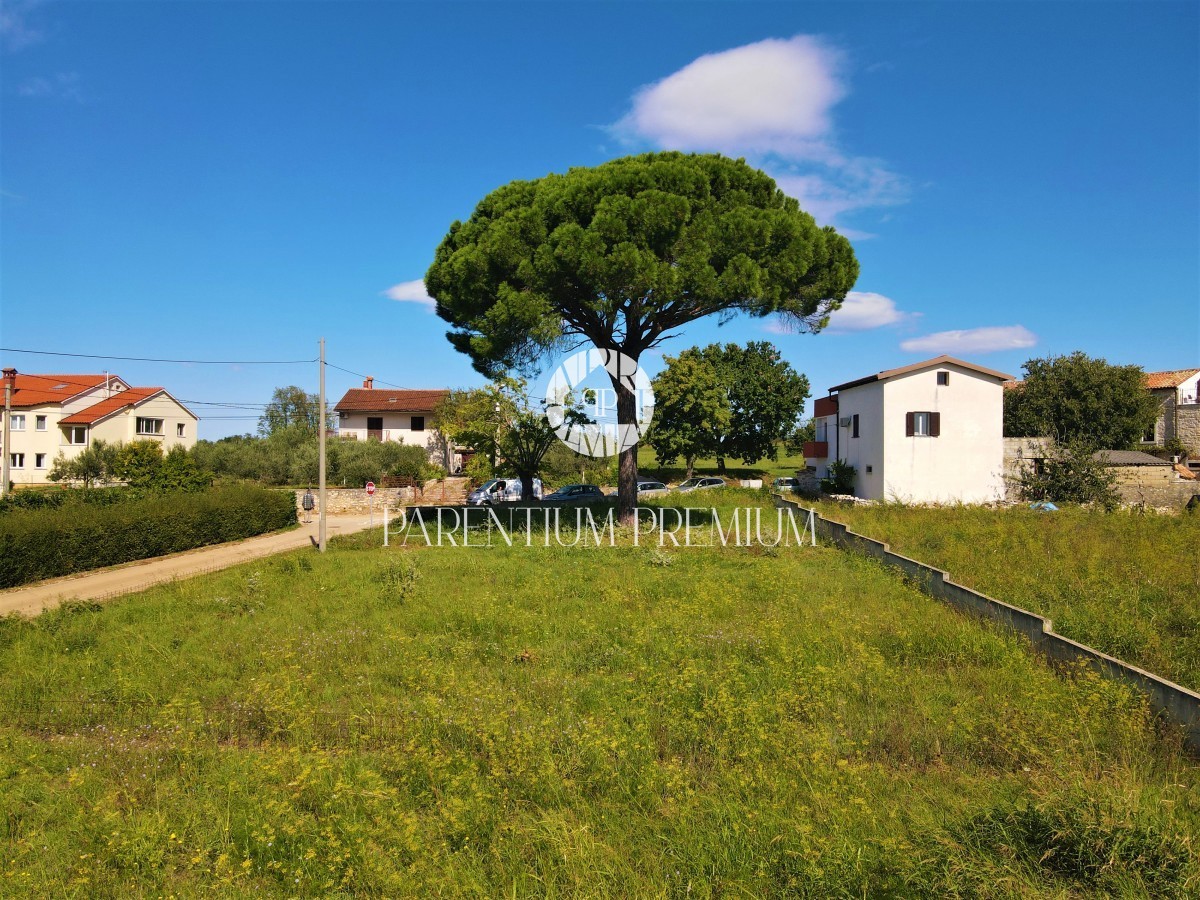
x=651 y=488
x=572 y=494
x=697 y=484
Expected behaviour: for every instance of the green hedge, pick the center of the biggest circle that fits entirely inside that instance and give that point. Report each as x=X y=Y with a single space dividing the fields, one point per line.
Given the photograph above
x=58 y=497
x=45 y=543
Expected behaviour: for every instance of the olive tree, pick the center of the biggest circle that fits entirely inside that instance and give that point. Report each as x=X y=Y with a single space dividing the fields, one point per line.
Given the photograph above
x=624 y=254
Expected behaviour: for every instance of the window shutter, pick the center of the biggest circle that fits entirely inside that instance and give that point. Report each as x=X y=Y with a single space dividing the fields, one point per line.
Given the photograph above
x=935 y=424
x=909 y=427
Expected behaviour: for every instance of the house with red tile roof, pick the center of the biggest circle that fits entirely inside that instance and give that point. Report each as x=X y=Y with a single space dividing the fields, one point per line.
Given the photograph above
x=394 y=414
x=64 y=414
x=1178 y=393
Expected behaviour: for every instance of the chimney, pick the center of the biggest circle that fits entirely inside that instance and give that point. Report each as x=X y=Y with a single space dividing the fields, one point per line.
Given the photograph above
x=369 y=382
x=10 y=377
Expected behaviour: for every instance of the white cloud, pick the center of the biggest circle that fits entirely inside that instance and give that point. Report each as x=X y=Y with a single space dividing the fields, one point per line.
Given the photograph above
x=411 y=292
x=63 y=86
x=863 y=310
x=774 y=96
x=16 y=32
x=860 y=311
x=772 y=102
x=973 y=340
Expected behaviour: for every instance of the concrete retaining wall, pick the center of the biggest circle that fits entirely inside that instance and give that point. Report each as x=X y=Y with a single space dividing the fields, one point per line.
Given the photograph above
x=1174 y=703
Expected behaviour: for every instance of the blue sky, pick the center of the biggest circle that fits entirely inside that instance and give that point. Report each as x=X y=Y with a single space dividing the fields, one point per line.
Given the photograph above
x=226 y=180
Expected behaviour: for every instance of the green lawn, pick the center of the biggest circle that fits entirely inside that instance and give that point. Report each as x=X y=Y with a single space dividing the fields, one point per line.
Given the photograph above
x=617 y=722
x=1126 y=583
x=767 y=469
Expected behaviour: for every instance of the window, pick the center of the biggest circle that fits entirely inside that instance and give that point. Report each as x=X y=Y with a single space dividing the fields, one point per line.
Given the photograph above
x=923 y=424
x=17 y=422
x=418 y=423
x=39 y=460
x=1151 y=434
x=943 y=378
x=149 y=426
x=179 y=430
x=16 y=460
x=854 y=425
x=40 y=423
x=76 y=434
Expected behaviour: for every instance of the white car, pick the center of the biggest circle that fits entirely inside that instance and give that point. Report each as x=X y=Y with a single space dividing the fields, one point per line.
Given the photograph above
x=786 y=485
x=501 y=490
x=651 y=488
x=698 y=484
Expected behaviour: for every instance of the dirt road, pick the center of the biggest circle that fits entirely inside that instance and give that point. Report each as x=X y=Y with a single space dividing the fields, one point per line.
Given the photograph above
x=103 y=584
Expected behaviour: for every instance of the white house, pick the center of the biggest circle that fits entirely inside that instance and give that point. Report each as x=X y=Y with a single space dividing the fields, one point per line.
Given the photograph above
x=1178 y=394
x=931 y=432
x=53 y=414
x=384 y=414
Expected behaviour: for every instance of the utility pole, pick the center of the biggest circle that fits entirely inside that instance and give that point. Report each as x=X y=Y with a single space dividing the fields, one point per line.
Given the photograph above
x=321 y=464
x=10 y=375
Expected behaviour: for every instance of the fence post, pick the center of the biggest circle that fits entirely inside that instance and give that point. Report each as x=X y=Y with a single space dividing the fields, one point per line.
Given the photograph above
x=385 y=525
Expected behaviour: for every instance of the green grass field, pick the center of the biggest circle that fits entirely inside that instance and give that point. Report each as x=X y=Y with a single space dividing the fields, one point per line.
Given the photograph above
x=1127 y=584
x=616 y=722
x=783 y=464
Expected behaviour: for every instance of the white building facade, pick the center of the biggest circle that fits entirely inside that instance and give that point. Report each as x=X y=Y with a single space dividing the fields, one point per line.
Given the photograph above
x=64 y=414
x=383 y=414
x=931 y=432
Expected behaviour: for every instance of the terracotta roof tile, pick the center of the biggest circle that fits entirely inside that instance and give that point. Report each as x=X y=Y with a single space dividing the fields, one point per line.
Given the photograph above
x=1174 y=378
x=38 y=390
x=387 y=400
x=113 y=404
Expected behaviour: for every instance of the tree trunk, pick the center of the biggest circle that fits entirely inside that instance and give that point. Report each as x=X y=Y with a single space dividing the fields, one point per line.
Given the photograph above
x=627 y=466
x=721 y=464
x=691 y=467
x=526 y=486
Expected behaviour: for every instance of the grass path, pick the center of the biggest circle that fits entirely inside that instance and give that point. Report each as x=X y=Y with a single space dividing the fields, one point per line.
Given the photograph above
x=113 y=581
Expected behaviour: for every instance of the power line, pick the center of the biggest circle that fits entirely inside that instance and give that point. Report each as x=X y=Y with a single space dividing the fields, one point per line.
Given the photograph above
x=200 y=362
x=360 y=375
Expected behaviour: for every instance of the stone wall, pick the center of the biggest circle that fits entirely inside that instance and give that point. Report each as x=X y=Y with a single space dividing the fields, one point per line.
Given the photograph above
x=1019 y=455
x=354 y=501
x=1187 y=422
x=1153 y=487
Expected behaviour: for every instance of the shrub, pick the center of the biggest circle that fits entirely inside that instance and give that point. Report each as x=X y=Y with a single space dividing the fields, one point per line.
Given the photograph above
x=76 y=537
x=1070 y=474
x=841 y=478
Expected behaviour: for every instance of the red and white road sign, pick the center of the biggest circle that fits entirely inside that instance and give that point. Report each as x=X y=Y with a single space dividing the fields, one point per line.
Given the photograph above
x=370 y=488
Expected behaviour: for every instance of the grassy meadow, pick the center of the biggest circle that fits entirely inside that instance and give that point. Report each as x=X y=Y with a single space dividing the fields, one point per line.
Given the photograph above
x=1124 y=582
x=783 y=465
x=570 y=722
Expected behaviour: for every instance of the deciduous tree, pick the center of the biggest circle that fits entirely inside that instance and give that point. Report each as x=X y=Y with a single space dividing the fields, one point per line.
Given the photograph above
x=290 y=407
x=1081 y=399
x=725 y=401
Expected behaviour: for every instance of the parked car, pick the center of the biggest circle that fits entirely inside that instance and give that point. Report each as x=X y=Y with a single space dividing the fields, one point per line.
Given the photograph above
x=696 y=484
x=651 y=488
x=574 y=493
x=785 y=485
x=501 y=490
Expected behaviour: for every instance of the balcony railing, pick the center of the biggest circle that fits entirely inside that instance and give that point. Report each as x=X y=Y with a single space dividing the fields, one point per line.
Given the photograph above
x=816 y=450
